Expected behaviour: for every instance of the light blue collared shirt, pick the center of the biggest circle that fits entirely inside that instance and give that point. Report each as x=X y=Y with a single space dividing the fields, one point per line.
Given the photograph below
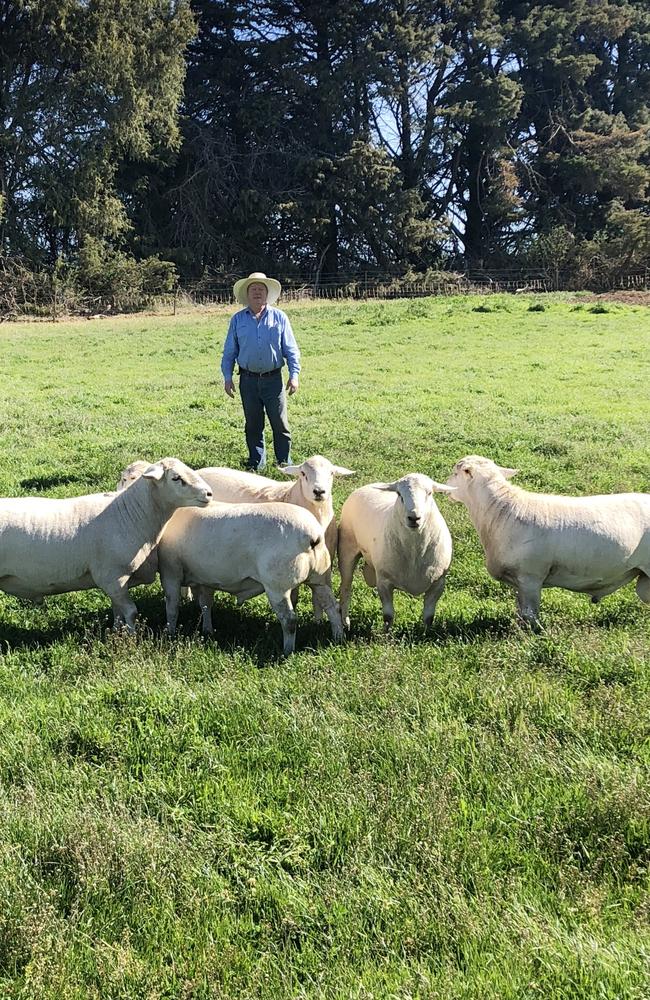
x=260 y=346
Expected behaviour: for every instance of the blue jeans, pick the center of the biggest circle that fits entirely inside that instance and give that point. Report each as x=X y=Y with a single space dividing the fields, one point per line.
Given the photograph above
x=259 y=395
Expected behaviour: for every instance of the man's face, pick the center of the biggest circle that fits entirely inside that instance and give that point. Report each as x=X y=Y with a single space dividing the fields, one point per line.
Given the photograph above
x=257 y=295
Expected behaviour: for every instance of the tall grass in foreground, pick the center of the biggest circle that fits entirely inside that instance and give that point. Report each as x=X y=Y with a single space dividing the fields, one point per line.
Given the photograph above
x=461 y=815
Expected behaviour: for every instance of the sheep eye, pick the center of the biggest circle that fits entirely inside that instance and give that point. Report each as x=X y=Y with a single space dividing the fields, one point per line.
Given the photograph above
x=177 y=479
x=303 y=475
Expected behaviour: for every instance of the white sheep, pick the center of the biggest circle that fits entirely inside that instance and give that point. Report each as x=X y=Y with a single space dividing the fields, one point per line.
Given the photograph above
x=50 y=546
x=592 y=545
x=403 y=539
x=133 y=472
x=246 y=550
x=147 y=572
x=311 y=489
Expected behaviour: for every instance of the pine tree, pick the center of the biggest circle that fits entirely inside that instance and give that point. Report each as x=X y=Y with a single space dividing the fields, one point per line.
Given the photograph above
x=584 y=137
x=83 y=89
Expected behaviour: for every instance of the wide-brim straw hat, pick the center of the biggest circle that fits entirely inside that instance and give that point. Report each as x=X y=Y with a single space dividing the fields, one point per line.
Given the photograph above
x=240 y=288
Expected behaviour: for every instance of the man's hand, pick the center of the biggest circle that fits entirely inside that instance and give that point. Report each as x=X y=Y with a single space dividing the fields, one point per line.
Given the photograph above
x=292 y=386
x=229 y=387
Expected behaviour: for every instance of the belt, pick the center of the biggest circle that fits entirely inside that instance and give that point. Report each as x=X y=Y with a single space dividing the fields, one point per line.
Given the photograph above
x=244 y=371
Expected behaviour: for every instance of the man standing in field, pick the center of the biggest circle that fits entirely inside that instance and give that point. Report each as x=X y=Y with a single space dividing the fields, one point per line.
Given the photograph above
x=260 y=340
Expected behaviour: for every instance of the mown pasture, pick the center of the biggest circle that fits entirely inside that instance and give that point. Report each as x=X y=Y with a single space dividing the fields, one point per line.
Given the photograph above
x=460 y=815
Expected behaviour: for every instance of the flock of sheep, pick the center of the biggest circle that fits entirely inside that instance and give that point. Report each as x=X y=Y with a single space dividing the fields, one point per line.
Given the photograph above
x=221 y=529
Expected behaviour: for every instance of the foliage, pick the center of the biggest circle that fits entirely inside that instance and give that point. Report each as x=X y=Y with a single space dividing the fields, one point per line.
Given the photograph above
x=322 y=139
x=111 y=277
x=85 y=87
x=23 y=291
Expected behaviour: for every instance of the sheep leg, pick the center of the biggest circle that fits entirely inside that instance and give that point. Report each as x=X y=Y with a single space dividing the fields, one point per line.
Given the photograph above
x=385 y=591
x=172 y=590
x=281 y=604
x=124 y=610
x=643 y=587
x=319 y=610
x=205 y=598
x=323 y=595
x=349 y=556
x=294 y=596
x=431 y=598
x=529 y=596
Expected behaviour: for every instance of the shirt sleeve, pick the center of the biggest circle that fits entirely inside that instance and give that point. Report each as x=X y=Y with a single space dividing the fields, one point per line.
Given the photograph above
x=290 y=350
x=230 y=351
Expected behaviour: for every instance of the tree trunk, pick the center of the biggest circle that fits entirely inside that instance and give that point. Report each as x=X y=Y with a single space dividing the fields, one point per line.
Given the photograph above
x=474 y=238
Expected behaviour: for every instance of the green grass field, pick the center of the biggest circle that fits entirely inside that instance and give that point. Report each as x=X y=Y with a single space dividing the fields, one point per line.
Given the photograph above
x=460 y=815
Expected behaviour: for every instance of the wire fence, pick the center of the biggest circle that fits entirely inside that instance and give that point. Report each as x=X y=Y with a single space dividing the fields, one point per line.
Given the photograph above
x=47 y=300
x=387 y=286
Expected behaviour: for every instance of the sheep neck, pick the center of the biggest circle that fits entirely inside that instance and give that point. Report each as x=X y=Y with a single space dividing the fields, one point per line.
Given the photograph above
x=141 y=507
x=493 y=502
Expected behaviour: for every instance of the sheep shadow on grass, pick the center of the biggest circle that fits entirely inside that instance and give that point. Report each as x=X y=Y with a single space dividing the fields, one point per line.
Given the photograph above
x=236 y=629
x=242 y=629
x=442 y=630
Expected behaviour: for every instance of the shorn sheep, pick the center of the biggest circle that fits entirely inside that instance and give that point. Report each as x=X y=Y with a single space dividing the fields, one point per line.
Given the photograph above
x=102 y=540
x=311 y=489
x=592 y=545
x=403 y=539
x=246 y=550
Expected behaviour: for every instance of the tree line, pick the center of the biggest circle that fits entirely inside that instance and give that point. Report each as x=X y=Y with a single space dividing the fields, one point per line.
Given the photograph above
x=329 y=137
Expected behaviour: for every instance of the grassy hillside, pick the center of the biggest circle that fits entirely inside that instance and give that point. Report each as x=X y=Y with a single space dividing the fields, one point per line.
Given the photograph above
x=464 y=815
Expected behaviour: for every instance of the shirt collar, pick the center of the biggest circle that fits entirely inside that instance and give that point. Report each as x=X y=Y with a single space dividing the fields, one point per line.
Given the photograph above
x=251 y=313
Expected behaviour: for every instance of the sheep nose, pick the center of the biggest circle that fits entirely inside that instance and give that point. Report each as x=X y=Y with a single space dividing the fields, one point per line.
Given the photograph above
x=208 y=494
x=414 y=519
x=319 y=494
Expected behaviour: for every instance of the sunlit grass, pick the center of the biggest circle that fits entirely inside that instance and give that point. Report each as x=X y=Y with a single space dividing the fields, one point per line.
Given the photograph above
x=465 y=814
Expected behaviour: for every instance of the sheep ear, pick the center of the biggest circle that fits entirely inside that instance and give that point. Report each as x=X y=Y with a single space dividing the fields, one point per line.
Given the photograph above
x=340 y=470
x=156 y=471
x=291 y=470
x=442 y=487
x=387 y=487
x=508 y=473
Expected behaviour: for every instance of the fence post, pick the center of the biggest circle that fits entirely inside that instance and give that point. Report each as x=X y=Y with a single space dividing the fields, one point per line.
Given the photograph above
x=175 y=296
